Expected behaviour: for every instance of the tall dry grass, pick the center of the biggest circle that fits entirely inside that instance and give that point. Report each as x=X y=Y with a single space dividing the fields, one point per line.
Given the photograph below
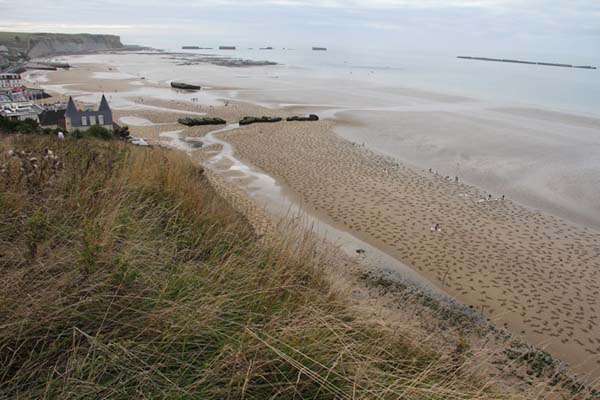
x=123 y=275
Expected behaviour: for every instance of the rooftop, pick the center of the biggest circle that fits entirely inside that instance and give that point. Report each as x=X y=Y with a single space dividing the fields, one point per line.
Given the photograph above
x=52 y=117
x=10 y=76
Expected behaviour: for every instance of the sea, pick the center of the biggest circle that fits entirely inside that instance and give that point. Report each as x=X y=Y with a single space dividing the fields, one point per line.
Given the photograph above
x=564 y=89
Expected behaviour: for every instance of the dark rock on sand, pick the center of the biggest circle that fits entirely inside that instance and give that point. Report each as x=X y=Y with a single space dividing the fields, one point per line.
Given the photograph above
x=201 y=121
x=311 y=117
x=253 y=120
x=185 y=86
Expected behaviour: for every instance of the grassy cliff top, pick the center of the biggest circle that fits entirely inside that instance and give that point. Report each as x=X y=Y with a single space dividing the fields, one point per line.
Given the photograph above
x=11 y=36
x=21 y=40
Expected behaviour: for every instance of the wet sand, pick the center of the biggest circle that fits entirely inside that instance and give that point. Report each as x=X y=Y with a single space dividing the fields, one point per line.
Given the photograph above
x=543 y=159
x=534 y=273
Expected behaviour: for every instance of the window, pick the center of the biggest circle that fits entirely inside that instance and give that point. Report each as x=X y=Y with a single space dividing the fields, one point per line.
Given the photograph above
x=100 y=119
x=83 y=121
x=92 y=120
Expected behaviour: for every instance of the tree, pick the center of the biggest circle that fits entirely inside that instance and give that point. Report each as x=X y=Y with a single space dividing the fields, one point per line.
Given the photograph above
x=122 y=133
x=28 y=126
x=8 y=125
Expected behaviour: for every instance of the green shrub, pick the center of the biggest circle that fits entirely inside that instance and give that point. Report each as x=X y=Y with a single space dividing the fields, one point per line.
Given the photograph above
x=99 y=132
x=8 y=125
x=77 y=134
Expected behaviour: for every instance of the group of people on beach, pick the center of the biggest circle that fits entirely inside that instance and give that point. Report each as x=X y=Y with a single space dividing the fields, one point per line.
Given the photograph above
x=431 y=171
x=456 y=180
x=436 y=228
x=489 y=198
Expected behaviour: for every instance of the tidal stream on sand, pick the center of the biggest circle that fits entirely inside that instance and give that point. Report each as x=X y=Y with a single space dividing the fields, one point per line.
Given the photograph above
x=267 y=192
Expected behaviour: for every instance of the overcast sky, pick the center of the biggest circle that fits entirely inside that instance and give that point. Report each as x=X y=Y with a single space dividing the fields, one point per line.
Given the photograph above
x=553 y=28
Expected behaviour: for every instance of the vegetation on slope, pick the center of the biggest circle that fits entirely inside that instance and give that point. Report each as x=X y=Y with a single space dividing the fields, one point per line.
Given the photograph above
x=30 y=126
x=124 y=275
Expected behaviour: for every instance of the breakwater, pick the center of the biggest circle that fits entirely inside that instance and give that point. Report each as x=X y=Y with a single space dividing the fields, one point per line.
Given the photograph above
x=547 y=64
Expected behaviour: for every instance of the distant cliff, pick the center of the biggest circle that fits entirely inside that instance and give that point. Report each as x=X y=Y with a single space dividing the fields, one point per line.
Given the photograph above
x=48 y=44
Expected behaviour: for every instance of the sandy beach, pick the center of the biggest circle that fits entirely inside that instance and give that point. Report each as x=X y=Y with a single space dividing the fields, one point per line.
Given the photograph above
x=530 y=272
x=533 y=273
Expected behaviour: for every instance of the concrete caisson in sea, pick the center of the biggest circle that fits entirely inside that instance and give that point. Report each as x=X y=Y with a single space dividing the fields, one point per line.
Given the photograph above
x=184 y=86
x=201 y=121
x=311 y=117
x=254 y=120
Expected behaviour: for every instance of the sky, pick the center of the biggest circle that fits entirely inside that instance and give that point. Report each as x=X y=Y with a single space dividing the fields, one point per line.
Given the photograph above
x=505 y=28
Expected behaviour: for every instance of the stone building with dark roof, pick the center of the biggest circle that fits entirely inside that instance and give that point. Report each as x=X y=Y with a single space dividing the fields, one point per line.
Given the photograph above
x=83 y=120
x=52 y=119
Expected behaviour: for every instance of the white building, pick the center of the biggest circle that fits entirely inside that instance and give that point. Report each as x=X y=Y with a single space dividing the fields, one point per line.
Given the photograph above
x=21 y=110
x=10 y=81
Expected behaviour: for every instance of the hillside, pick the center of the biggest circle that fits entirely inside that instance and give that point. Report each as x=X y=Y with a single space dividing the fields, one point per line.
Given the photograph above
x=48 y=44
x=125 y=275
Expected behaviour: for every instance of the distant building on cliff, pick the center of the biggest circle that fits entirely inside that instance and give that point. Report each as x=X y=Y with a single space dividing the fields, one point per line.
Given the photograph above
x=83 y=120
